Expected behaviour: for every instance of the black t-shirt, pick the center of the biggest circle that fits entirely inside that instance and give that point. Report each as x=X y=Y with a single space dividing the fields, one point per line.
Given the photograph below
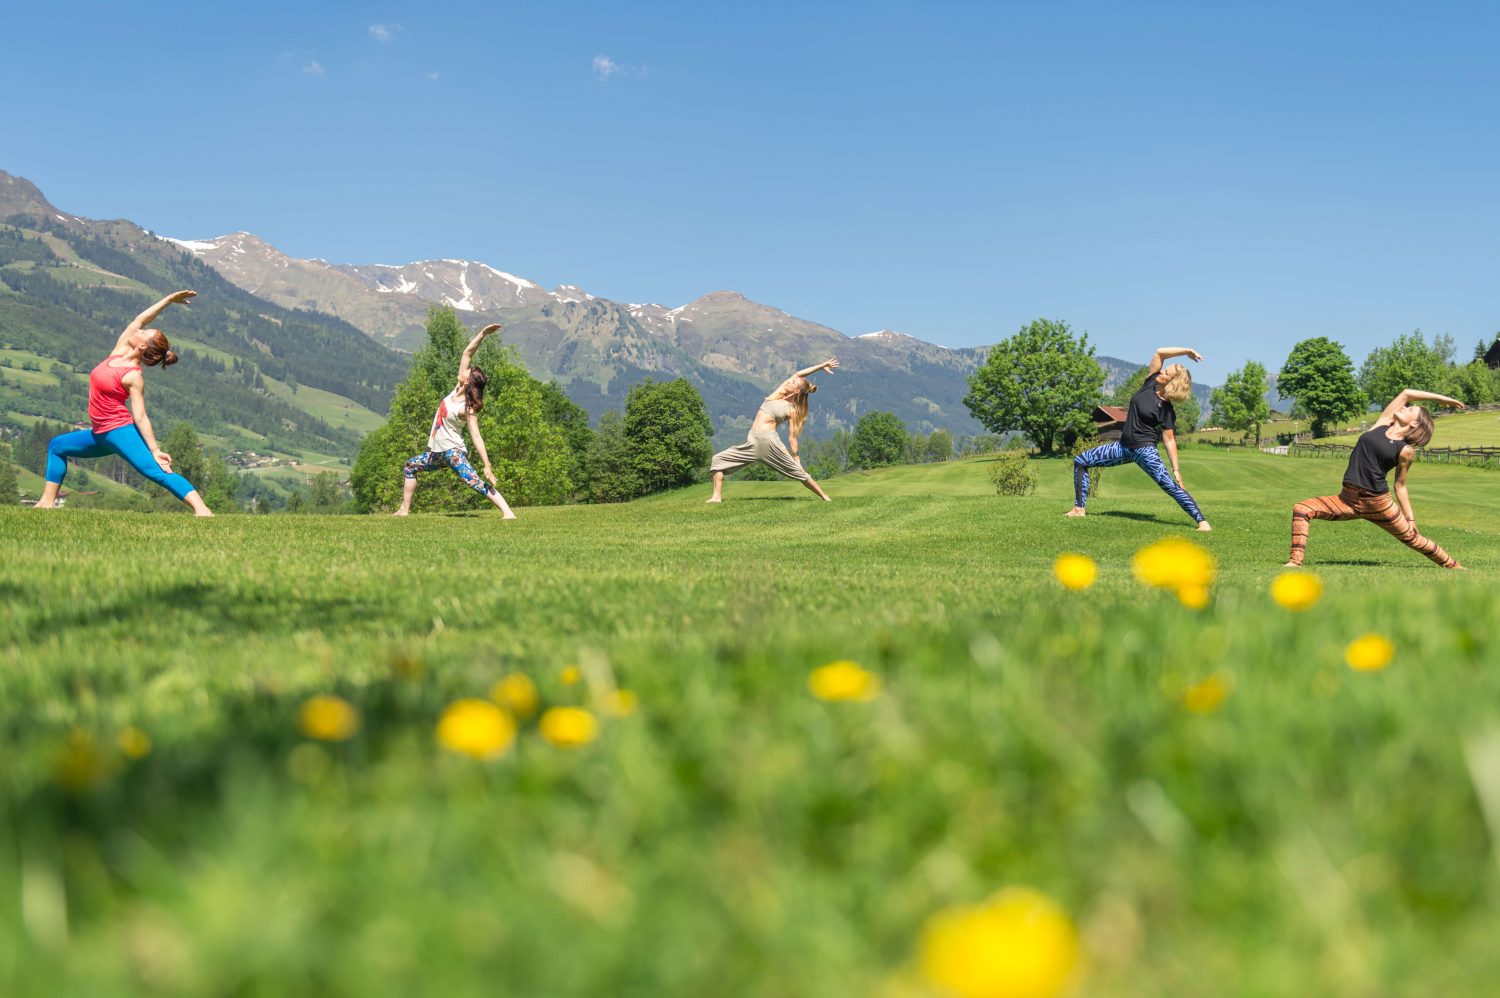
x=1373 y=457
x=1149 y=415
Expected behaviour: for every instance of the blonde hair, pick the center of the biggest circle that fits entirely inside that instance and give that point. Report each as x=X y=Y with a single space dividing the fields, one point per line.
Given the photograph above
x=1176 y=385
x=1421 y=431
x=798 y=399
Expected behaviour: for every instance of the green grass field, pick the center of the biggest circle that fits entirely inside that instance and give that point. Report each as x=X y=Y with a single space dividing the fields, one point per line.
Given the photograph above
x=333 y=409
x=1322 y=831
x=15 y=373
x=1460 y=429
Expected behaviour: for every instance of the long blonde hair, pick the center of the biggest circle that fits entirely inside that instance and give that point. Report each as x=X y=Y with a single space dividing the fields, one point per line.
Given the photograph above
x=1177 y=385
x=798 y=398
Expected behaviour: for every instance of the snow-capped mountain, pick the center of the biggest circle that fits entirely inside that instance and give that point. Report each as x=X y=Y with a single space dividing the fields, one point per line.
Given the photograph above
x=731 y=347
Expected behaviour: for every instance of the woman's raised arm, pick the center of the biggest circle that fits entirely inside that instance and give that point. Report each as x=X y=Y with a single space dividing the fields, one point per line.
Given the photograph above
x=473 y=348
x=1163 y=353
x=149 y=316
x=827 y=365
x=1410 y=395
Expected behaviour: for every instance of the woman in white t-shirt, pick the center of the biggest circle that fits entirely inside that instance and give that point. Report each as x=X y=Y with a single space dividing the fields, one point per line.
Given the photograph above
x=445 y=444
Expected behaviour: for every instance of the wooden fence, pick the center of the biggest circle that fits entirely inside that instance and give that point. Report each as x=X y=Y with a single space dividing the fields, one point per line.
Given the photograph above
x=1481 y=457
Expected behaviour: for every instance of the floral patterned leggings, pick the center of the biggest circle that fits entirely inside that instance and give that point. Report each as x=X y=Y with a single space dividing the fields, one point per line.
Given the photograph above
x=456 y=458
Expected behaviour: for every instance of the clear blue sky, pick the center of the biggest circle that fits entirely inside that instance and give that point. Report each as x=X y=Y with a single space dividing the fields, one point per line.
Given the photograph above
x=1232 y=179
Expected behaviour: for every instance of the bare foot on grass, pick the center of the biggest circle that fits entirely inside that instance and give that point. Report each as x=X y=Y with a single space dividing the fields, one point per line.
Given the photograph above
x=1203 y=527
x=399 y=512
x=715 y=499
x=1292 y=564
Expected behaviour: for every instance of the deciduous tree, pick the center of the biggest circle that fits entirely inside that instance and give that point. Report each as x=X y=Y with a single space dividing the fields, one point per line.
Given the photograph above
x=879 y=439
x=1409 y=362
x=1039 y=381
x=667 y=425
x=1240 y=403
x=1320 y=377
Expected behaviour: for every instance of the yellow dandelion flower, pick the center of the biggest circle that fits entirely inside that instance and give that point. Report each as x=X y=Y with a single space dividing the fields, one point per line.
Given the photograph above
x=134 y=742
x=621 y=703
x=476 y=728
x=517 y=694
x=1193 y=597
x=1369 y=653
x=571 y=675
x=1296 y=591
x=568 y=727
x=1173 y=563
x=328 y=718
x=843 y=681
x=1209 y=695
x=1075 y=571
x=1018 y=944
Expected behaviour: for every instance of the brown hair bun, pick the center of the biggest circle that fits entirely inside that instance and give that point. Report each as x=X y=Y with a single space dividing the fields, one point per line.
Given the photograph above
x=158 y=352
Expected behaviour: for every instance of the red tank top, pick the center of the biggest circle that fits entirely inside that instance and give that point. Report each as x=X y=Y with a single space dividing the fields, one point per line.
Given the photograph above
x=109 y=399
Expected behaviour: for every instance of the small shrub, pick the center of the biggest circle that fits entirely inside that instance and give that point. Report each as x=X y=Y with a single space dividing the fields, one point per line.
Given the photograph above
x=1011 y=472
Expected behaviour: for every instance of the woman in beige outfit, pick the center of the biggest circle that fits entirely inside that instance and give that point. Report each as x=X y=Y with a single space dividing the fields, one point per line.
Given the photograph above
x=787 y=404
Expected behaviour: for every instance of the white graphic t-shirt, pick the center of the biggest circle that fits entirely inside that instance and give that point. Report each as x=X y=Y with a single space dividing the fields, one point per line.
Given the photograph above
x=448 y=425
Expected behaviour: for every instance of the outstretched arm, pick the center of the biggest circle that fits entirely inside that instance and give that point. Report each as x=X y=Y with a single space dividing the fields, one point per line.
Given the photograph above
x=827 y=365
x=484 y=457
x=137 y=386
x=1410 y=395
x=1169 y=437
x=1403 y=464
x=1163 y=353
x=149 y=316
x=473 y=348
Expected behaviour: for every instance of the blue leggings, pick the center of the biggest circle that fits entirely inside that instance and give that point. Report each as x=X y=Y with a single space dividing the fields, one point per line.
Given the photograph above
x=126 y=441
x=457 y=459
x=1113 y=453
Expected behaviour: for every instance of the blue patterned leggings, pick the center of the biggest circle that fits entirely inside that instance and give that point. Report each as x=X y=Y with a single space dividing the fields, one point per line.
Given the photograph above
x=1113 y=453
x=457 y=458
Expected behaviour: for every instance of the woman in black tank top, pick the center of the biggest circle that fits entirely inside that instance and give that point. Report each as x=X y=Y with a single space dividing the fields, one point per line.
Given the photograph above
x=1390 y=443
x=1373 y=457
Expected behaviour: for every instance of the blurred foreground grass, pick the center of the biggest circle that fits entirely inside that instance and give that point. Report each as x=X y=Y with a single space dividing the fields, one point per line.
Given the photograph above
x=1220 y=803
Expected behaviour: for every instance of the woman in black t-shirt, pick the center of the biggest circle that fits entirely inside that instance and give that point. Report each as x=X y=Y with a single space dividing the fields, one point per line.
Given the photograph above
x=1151 y=416
x=1391 y=443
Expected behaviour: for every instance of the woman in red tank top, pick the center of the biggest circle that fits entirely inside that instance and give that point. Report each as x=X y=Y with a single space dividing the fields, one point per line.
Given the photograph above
x=117 y=413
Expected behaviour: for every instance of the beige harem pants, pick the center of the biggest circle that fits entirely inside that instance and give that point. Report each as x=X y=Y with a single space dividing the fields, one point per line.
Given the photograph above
x=764 y=446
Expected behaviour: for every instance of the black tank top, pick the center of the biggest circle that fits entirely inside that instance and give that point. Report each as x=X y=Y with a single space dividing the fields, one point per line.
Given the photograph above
x=1374 y=456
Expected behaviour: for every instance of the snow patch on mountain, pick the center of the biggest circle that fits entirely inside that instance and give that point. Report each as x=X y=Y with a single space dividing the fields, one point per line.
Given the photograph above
x=404 y=288
x=466 y=303
x=194 y=246
x=512 y=278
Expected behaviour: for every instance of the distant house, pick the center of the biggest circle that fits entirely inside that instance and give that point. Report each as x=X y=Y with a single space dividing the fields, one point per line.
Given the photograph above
x=1110 y=421
x=1492 y=355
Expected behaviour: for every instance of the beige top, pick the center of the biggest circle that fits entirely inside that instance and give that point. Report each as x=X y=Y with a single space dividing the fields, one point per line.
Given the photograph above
x=778 y=409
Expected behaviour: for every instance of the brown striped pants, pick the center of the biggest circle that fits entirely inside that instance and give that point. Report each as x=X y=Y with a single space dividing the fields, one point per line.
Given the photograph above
x=1357 y=504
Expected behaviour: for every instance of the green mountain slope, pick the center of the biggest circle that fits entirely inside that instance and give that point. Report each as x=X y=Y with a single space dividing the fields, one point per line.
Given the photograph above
x=68 y=285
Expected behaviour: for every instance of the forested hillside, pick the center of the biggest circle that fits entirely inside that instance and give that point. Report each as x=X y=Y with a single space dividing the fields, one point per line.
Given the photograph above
x=68 y=285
